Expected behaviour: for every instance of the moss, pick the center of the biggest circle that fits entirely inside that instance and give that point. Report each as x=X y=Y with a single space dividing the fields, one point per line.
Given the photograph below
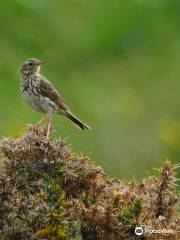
x=130 y=212
x=56 y=227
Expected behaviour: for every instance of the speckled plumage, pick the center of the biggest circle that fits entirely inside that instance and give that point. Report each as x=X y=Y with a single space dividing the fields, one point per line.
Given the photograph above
x=41 y=95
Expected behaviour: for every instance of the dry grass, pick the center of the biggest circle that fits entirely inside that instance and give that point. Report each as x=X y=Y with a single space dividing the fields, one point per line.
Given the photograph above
x=49 y=192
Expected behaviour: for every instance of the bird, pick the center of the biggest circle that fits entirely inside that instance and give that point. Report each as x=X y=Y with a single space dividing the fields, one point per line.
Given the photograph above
x=42 y=96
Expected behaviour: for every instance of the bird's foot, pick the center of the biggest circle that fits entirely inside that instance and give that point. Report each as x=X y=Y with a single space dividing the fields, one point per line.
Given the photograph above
x=36 y=129
x=30 y=126
x=43 y=131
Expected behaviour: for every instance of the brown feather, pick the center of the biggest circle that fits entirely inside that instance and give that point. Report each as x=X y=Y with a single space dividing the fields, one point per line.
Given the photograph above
x=48 y=90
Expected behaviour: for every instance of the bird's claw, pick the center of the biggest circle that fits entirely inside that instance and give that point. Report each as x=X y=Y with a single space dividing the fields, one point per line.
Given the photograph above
x=30 y=126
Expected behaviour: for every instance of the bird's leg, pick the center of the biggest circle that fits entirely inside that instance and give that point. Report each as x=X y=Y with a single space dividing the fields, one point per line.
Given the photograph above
x=49 y=116
x=34 y=126
x=49 y=129
x=41 y=120
x=29 y=126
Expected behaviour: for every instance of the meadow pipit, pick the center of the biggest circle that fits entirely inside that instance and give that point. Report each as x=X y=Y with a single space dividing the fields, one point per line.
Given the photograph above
x=41 y=95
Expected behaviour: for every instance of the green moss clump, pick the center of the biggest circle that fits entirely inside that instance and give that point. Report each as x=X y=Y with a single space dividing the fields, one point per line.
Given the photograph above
x=130 y=213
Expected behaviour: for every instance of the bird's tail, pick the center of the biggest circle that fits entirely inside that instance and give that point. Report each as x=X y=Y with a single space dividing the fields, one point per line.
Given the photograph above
x=78 y=122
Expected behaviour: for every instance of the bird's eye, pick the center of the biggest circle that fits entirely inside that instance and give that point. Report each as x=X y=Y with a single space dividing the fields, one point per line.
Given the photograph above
x=30 y=64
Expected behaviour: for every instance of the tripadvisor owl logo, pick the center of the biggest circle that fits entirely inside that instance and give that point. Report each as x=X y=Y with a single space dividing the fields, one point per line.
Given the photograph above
x=139 y=231
x=150 y=230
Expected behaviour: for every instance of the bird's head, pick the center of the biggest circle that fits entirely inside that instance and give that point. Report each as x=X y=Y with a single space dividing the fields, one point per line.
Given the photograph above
x=31 y=66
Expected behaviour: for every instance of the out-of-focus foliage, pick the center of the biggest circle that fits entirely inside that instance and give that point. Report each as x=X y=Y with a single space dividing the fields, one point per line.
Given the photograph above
x=116 y=64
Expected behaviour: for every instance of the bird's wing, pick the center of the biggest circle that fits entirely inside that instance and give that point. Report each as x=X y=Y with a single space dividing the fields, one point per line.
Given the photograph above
x=48 y=90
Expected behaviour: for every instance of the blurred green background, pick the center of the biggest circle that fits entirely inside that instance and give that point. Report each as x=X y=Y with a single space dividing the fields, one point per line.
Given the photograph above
x=117 y=64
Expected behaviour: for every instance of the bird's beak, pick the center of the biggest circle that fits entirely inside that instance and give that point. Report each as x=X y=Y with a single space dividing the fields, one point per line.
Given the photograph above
x=40 y=62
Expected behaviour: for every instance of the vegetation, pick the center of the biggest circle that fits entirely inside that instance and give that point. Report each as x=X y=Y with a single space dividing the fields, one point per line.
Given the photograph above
x=117 y=65
x=47 y=191
x=115 y=62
